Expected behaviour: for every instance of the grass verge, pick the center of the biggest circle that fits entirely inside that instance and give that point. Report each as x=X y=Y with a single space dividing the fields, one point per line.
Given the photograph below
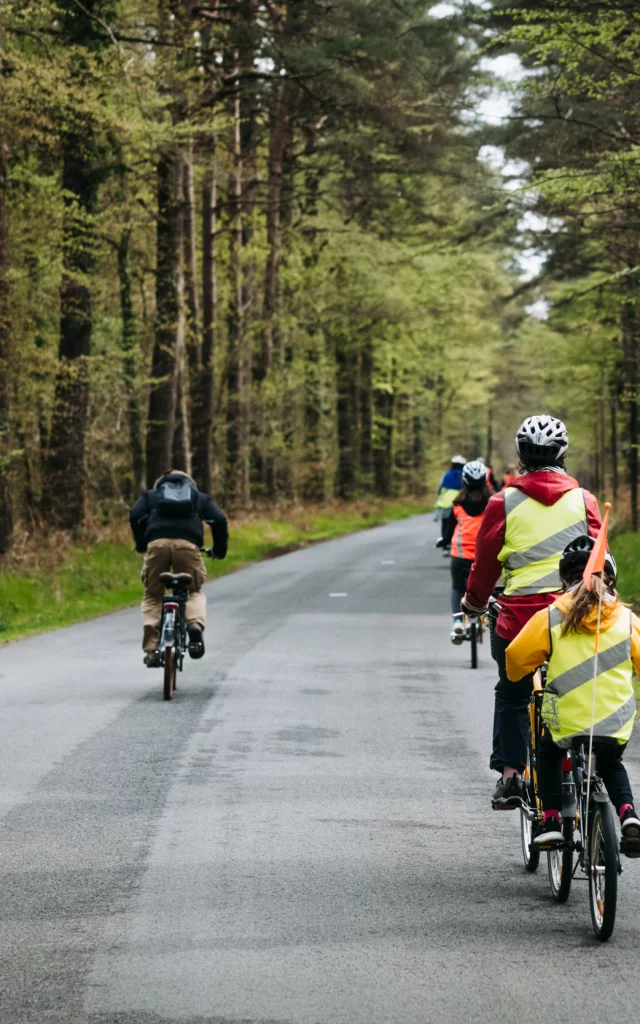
x=101 y=577
x=625 y=548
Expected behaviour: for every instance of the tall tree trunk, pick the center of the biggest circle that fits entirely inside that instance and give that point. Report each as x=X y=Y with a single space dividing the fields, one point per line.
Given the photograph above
x=630 y=337
x=279 y=124
x=366 y=416
x=347 y=417
x=613 y=407
x=65 y=471
x=6 y=511
x=164 y=388
x=236 y=383
x=128 y=342
x=182 y=435
x=204 y=385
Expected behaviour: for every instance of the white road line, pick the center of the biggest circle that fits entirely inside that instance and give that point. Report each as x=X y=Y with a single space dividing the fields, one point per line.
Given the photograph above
x=339 y=594
x=388 y=561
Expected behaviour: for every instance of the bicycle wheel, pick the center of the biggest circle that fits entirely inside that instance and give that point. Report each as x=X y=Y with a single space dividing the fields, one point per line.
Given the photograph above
x=170 y=667
x=560 y=864
x=603 y=871
x=473 y=636
x=530 y=853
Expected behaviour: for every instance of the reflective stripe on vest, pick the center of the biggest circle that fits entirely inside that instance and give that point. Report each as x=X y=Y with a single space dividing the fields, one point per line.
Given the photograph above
x=568 y=696
x=447 y=496
x=463 y=543
x=535 y=536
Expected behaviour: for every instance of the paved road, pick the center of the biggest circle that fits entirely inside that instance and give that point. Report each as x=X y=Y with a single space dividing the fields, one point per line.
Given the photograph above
x=302 y=837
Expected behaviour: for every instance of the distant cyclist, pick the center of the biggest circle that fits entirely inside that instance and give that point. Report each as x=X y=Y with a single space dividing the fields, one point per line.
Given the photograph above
x=462 y=530
x=450 y=487
x=563 y=635
x=523 y=533
x=491 y=478
x=510 y=476
x=168 y=526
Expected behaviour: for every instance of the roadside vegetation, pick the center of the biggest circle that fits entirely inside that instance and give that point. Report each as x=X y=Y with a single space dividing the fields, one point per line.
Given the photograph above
x=56 y=584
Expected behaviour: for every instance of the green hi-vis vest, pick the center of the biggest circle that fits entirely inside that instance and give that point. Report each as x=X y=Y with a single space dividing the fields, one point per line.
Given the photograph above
x=535 y=536
x=568 y=695
x=447 y=497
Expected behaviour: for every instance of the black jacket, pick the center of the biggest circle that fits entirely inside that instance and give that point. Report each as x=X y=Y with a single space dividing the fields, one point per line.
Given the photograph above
x=148 y=524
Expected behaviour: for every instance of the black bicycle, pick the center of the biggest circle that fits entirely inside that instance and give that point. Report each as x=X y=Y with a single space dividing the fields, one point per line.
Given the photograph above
x=174 y=638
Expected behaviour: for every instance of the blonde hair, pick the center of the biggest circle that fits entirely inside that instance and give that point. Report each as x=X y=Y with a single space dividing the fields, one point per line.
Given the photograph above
x=584 y=599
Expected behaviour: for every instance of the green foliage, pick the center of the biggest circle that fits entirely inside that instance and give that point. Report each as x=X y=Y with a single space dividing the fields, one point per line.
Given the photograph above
x=104 y=577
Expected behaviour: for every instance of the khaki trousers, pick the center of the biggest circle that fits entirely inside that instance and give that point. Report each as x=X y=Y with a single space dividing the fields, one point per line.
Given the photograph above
x=166 y=555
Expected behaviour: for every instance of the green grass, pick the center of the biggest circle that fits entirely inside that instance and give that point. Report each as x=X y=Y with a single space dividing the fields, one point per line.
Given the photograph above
x=626 y=551
x=106 y=576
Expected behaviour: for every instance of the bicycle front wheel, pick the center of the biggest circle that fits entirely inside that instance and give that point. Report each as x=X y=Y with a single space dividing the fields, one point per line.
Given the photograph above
x=473 y=636
x=603 y=871
x=560 y=864
x=170 y=666
x=530 y=853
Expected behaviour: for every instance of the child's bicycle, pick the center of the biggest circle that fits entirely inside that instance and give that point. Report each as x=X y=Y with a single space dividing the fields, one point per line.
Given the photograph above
x=173 y=627
x=589 y=832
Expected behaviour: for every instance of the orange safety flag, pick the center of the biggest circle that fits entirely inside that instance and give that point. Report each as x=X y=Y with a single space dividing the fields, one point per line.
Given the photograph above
x=596 y=558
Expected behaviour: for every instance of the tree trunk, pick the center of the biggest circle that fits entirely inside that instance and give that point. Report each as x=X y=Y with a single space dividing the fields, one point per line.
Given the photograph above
x=366 y=416
x=204 y=385
x=613 y=406
x=128 y=342
x=280 y=116
x=65 y=471
x=347 y=415
x=630 y=336
x=6 y=511
x=163 y=395
x=236 y=383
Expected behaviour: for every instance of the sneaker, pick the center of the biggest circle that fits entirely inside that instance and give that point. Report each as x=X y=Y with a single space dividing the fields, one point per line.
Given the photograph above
x=508 y=794
x=458 y=631
x=152 y=659
x=630 y=842
x=196 y=642
x=549 y=833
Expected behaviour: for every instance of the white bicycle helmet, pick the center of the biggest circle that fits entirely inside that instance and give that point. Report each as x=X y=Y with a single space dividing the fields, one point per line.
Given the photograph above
x=474 y=473
x=541 y=439
x=458 y=460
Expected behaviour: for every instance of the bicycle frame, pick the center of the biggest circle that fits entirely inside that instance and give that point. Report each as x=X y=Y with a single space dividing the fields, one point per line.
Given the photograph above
x=173 y=629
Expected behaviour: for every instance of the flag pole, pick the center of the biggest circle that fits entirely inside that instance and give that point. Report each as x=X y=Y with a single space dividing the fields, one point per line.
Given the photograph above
x=595 y=676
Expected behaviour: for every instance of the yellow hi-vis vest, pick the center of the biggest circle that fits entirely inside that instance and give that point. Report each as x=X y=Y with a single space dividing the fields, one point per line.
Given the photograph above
x=568 y=695
x=535 y=536
x=447 y=496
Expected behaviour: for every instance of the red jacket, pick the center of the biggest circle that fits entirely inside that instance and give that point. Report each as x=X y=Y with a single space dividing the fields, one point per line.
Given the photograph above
x=543 y=486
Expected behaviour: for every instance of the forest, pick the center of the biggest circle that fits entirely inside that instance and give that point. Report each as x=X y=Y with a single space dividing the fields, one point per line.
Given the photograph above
x=277 y=244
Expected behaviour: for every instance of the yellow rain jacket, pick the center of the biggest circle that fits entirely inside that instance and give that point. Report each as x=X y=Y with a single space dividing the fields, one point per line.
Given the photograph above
x=567 y=702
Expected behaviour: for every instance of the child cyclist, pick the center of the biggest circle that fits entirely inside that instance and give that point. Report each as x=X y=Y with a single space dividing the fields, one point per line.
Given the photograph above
x=461 y=533
x=563 y=635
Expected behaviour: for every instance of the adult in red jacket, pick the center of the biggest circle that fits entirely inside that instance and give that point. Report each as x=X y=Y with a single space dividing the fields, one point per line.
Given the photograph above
x=523 y=533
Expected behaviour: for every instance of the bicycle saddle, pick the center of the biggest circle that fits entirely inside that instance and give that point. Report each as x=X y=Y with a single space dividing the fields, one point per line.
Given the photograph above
x=172 y=579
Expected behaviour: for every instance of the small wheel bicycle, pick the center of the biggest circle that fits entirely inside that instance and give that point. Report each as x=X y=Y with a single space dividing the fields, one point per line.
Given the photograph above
x=588 y=831
x=173 y=627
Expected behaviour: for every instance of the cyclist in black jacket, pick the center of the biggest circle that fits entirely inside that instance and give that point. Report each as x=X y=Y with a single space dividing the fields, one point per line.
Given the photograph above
x=168 y=527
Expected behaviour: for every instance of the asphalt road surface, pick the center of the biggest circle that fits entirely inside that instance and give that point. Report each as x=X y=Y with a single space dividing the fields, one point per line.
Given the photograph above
x=304 y=836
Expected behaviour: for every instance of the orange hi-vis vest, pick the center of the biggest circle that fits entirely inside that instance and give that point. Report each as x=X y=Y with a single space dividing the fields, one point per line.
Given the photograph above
x=463 y=543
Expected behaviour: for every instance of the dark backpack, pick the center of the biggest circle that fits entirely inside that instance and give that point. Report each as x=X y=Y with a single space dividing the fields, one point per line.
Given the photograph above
x=176 y=499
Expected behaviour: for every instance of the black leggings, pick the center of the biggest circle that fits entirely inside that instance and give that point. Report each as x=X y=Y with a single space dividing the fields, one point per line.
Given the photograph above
x=460 y=569
x=608 y=763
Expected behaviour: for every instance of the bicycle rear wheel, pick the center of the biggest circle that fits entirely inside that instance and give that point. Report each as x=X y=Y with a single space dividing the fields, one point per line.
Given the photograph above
x=603 y=871
x=473 y=636
x=560 y=865
x=170 y=667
